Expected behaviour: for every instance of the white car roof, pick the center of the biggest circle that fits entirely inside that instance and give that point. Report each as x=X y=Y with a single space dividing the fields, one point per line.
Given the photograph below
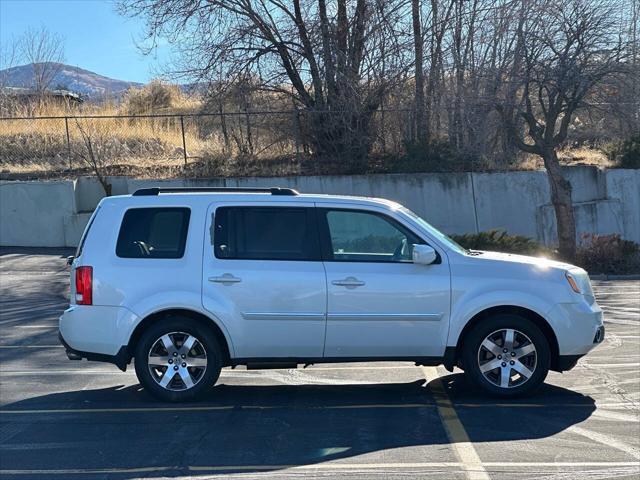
x=186 y=196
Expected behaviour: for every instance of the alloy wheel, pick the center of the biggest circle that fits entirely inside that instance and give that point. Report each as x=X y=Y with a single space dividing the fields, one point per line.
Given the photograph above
x=177 y=361
x=507 y=358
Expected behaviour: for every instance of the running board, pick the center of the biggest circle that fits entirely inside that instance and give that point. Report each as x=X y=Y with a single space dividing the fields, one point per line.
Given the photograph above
x=271 y=365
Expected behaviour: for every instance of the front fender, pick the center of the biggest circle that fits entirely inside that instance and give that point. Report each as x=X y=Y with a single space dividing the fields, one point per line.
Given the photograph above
x=466 y=308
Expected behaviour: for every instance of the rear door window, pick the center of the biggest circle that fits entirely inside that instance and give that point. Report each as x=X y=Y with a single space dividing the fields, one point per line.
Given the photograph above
x=153 y=233
x=266 y=233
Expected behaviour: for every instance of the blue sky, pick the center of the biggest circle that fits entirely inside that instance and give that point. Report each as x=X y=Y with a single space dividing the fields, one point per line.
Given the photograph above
x=96 y=37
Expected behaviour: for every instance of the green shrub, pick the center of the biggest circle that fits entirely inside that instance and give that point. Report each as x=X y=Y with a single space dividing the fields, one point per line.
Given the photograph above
x=436 y=156
x=626 y=154
x=630 y=153
x=501 y=241
x=608 y=254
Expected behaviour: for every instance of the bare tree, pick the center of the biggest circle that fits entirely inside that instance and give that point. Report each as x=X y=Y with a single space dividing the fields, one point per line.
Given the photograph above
x=92 y=153
x=440 y=17
x=327 y=57
x=44 y=50
x=422 y=133
x=8 y=59
x=564 y=50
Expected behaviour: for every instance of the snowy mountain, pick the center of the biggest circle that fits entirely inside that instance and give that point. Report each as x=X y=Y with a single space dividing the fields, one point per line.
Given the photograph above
x=84 y=82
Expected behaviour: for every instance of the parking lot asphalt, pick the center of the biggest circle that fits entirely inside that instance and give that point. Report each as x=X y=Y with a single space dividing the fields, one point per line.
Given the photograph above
x=66 y=419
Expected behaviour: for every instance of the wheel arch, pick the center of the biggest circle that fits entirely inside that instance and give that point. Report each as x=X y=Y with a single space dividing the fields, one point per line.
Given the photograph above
x=183 y=312
x=529 y=314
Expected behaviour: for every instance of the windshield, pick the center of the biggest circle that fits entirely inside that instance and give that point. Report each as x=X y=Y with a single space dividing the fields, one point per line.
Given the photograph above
x=434 y=231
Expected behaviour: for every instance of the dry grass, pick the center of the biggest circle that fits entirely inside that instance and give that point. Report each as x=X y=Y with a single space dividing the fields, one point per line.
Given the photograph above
x=153 y=147
x=569 y=157
x=37 y=146
x=42 y=144
x=585 y=156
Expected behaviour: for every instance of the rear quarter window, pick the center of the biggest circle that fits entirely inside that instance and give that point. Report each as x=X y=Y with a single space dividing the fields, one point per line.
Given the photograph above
x=86 y=233
x=153 y=233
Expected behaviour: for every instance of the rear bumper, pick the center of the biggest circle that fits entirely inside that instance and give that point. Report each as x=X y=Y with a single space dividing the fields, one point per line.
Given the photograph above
x=97 y=328
x=97 y=333
x=120 y=359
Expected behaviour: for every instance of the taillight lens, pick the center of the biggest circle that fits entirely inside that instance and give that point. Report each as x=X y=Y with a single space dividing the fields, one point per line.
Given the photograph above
x=84 y=287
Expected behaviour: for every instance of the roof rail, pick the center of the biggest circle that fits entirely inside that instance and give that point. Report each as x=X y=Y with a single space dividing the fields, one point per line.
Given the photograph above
x=143 y=192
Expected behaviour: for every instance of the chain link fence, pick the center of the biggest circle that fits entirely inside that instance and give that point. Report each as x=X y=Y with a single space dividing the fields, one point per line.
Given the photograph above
x=197 y=144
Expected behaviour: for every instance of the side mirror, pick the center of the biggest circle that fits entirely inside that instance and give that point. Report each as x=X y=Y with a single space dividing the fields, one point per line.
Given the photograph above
x=424 y=254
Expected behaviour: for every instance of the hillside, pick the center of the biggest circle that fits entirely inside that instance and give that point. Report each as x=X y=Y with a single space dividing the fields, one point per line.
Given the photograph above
x=85 y=82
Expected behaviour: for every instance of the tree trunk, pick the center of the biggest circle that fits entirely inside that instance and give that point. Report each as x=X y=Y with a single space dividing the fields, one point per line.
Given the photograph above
x=561 y=200
x=105 y=184
x=421 y=124
x=343 y=137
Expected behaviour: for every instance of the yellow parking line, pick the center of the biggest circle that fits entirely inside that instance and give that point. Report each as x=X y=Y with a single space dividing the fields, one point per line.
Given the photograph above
x=84 y=471
x=335 y=466
x=117 y=410
x=457 y=435
x=31 y=346
x=273 y=407
x=213 y=408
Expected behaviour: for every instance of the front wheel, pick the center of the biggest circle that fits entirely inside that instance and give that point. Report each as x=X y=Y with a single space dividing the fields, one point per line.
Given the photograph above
x=177 y=359
x=506 y=355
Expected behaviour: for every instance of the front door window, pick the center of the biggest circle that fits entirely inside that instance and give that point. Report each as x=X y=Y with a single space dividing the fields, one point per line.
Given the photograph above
x=357 y=236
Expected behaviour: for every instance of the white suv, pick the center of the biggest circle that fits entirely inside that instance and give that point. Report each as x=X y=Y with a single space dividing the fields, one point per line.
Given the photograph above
x=187 y=281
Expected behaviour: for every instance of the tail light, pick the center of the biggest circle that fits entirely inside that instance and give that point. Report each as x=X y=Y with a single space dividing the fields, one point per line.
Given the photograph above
x=84 y=285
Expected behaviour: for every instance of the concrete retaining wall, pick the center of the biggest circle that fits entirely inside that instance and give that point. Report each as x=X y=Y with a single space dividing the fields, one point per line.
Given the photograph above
x=53 y=214
x=33 y=214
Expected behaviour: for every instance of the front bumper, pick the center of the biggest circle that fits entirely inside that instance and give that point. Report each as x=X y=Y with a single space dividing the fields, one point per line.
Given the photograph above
x=578 y=327
x=567 y=362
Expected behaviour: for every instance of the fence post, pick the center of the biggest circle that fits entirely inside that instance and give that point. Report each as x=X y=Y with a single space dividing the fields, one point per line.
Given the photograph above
x=66 y=128
x=473 y=194
x=184 y=142
x=296 y=117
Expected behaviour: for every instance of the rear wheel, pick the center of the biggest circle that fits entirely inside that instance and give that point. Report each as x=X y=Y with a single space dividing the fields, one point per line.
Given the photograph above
x=506 y=355
x=177 y=359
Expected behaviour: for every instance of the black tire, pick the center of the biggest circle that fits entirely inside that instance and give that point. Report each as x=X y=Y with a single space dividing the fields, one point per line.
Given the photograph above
x=207 y=341
x=472 y=356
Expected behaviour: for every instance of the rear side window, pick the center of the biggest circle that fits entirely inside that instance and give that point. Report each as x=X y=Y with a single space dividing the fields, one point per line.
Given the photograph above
x=265 y=233
x=153 y=233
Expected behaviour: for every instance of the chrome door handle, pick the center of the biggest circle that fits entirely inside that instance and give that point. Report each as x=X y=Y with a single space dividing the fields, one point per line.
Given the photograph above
x=349 y=282
x=226 y=278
